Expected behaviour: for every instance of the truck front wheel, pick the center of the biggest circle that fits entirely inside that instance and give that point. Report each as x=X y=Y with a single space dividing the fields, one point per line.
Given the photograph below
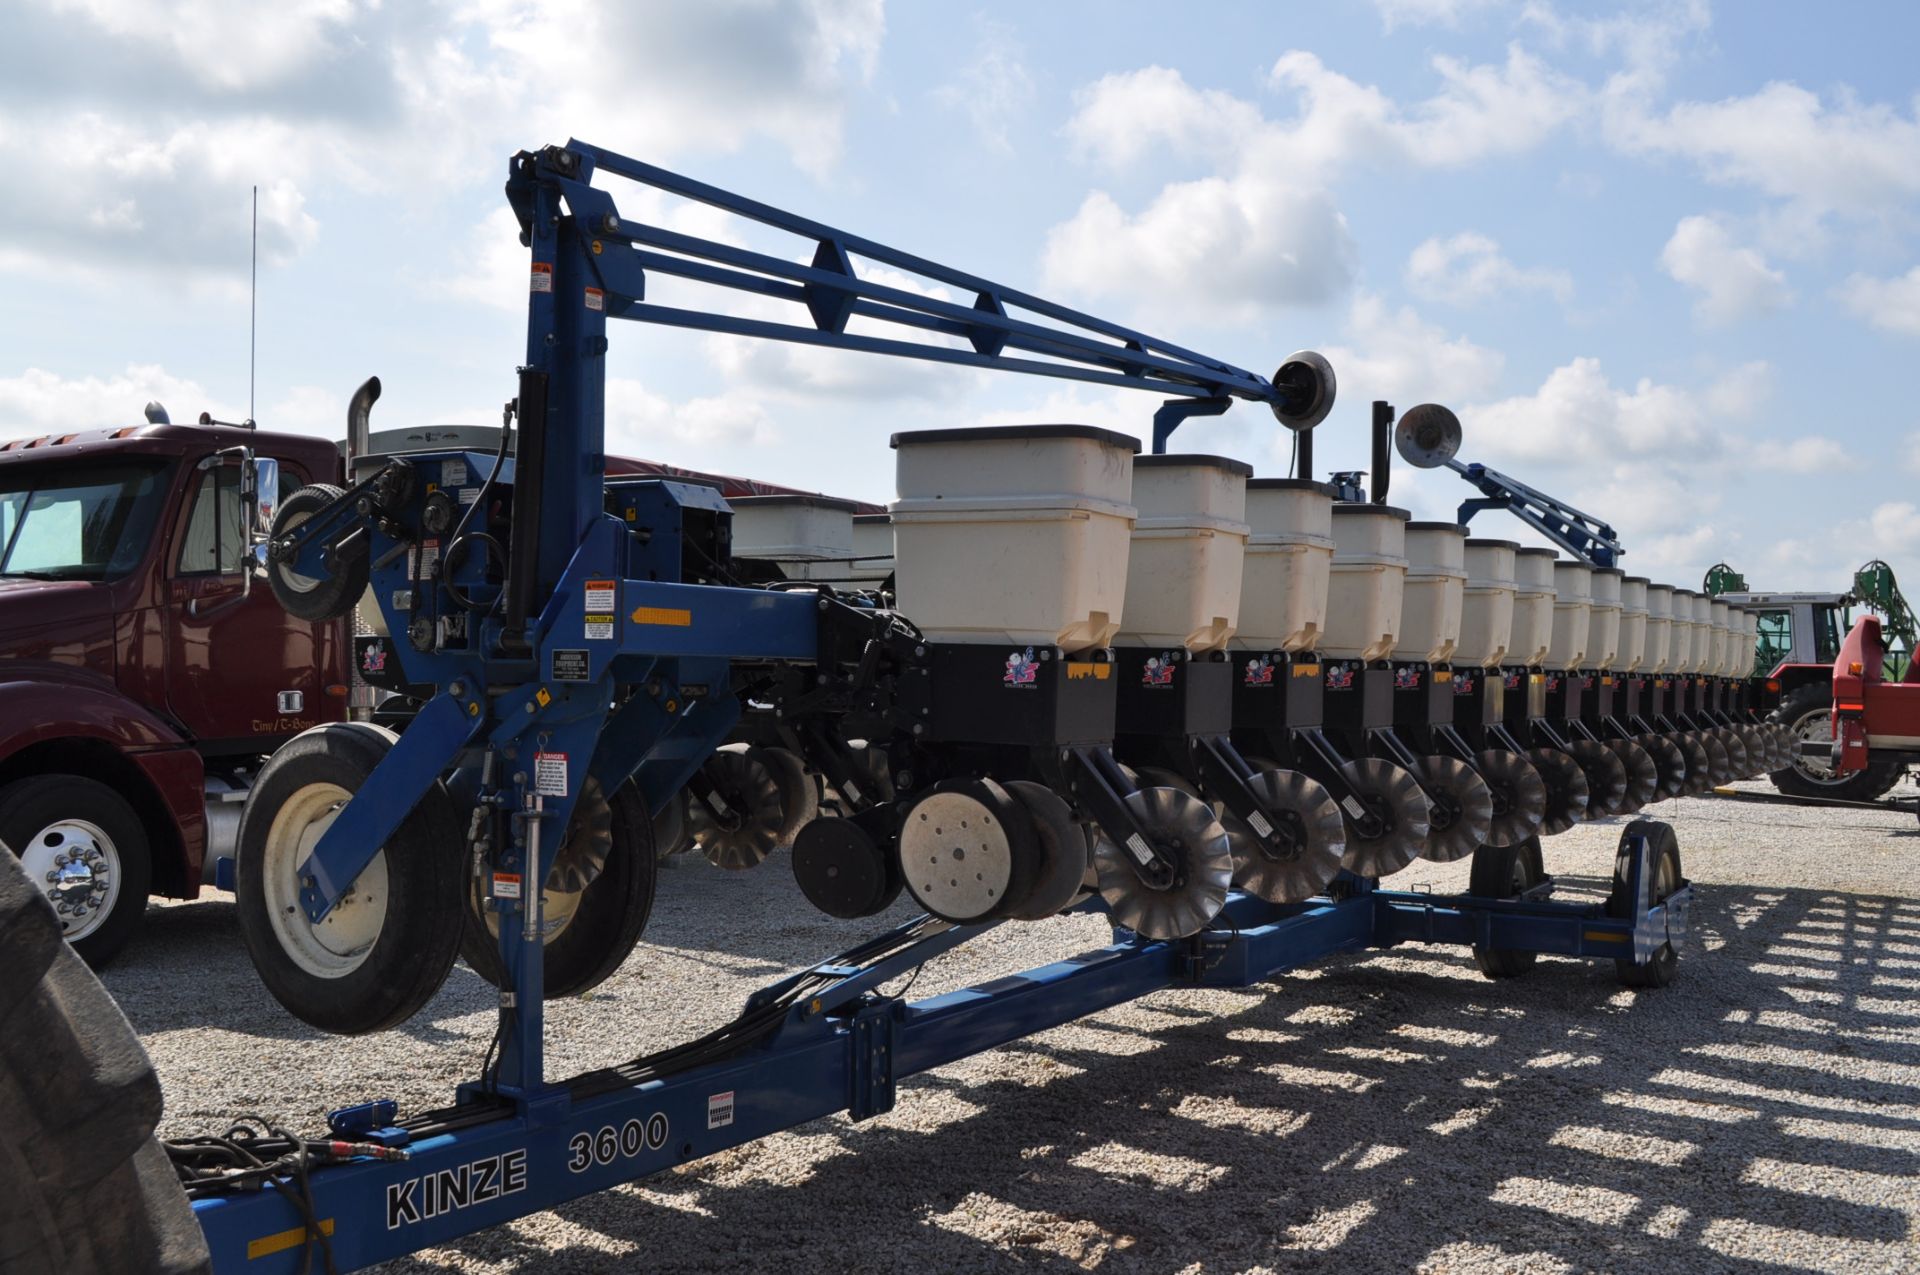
x=87 y=851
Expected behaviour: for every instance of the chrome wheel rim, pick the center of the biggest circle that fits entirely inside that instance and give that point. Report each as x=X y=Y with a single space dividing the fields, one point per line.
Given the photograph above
x=77 y=867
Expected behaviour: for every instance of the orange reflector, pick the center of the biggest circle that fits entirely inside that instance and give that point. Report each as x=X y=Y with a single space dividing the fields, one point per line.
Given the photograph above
x=1855 y=668
x=338 y=690
x=268 y=1245
x=1852 y=708
x=1773 y=684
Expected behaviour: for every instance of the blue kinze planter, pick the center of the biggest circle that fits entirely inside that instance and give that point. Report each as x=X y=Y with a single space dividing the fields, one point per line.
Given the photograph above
x=582 y=655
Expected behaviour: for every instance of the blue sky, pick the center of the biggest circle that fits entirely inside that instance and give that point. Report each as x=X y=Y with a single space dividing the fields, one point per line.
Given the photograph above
x=1664 y=259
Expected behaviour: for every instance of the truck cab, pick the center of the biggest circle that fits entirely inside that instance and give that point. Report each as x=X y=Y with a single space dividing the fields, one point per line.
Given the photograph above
x=145 y=668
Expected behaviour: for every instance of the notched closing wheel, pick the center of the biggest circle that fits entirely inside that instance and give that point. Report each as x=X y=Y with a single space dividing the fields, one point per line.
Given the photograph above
x=1505 y=872
x=598 y=896
x=799 y=791
x=1669 y=763
x=1719 y=766
x=1566 y=789
x=315 y=598
x=1606 y=778
x=1184 y=828
x=1664 y=865
x=386 y=947
x=1389 y=830
x=1459 y=808
x=1643 y=777
x=1308 y=815
x=738 y=820
x=1698 y=777
x=1519 y=796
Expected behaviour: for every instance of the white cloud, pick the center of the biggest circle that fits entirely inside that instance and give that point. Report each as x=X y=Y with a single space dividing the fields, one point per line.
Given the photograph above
x=699 y=432
x=1262 y=228
x=1469 y=268
x=1396 y=355
x=1733 y=282
x=41 y=402
x=1578 y=416
x=994 y=89
x=1811 y=454
x=1427 y=13
x=1892 y=304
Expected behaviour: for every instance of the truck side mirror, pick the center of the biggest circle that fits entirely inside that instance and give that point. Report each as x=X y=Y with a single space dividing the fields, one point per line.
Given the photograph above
x=262 y=478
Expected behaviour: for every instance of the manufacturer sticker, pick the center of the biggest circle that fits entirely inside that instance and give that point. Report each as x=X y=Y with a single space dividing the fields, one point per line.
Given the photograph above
x=720 y=1110
x=453 y=473
x=598 y=628
x=1022 y=669
x=448 y=1190
x=542 y=280
x=607 y=1144
x=1340 y=677
x=1406 y=678
x=426 y=559
x=506 y=885
x=550 y=774
x=1259 y=672
x=569 y=665
x=1261 y=828
x=1159 y=670
x=469 y=494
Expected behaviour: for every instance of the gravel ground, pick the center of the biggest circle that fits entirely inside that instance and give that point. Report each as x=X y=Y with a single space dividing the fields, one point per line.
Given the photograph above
x=1384 y=1112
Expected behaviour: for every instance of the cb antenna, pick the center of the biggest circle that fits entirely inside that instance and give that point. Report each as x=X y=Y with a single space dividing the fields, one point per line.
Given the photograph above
x=253 y=307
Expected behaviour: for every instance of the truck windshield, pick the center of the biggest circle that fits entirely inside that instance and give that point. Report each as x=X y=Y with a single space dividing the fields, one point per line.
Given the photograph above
x=78 y=524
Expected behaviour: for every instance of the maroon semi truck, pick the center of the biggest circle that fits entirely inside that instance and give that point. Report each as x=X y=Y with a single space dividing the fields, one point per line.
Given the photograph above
x=145 y=671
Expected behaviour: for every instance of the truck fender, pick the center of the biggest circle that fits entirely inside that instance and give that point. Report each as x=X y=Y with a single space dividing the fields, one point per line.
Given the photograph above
x=55 y=717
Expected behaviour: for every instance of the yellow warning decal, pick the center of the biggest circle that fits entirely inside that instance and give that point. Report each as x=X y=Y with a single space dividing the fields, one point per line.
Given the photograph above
x=1606 y=936
x=268 y=1245
x=1306 y=670
x=542 y=697
x=1536 y=678
x=1080 y=671
x=1442 y=675
x=673 y=617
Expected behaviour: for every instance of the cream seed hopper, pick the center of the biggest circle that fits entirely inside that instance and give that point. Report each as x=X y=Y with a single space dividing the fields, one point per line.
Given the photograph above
x=1726 y=696
x=1712 y=713
x=1365 y=611
x=1590 y=702
x=1631 y=679
x=1283 y=676
x=1691 y=686
x=1176 y=674
x=1666 y=710
x=1487 y=629
x=1462 y=804
x=1012 y=547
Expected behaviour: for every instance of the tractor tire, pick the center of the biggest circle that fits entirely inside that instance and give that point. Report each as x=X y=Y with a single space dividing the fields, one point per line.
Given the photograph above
x=308 y=598
x=381 y=953
x=608 y=921
x=88 y=1191
x=1804 y=713
x=85 y=848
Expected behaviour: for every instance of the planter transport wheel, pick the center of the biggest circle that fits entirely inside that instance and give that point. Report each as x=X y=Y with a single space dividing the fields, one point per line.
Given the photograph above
x=386 y=947
x=1459 y=809
x=1308 y=813
x=1606 y=778
x=1664 y=855
x=1519 y=796
x=1390 y=831
x=739 y=823
x=1566 y=789
x=1505 y=872
x=1185 y=828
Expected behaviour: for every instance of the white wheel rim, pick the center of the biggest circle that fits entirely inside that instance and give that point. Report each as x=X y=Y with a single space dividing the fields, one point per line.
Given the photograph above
x=77 y=867
x=339 y=944
x=293 y=580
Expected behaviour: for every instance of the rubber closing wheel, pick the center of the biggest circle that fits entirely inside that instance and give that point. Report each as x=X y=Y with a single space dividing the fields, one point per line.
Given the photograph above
x=967 y=851
x=1505 y=872
x=87 y=1190
x=738 y=822
x=1306 y=811
x=1664 y=860
x=1390 y=829
x=386 y=947
x=1566 y=789
x=1606 y=778
x=590 y=931
x=799 y=792
x=1184 y=828
x=1061 y=853
x=842 y=871
x=1668 y=762
x=1519 y=796
x=1459 y=809
x=1643 y=777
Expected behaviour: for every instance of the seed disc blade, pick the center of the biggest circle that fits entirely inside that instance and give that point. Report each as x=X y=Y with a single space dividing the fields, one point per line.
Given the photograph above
x=1395 y=832
x=1459 y=808
x=1184 y=827
x=1306 y=809
x=1566 y=789
x=1519 y=796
